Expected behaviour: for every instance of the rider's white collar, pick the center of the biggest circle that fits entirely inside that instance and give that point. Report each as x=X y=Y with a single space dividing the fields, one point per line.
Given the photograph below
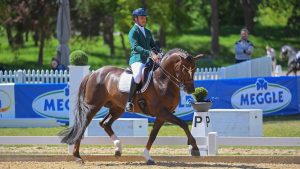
x=141 y=28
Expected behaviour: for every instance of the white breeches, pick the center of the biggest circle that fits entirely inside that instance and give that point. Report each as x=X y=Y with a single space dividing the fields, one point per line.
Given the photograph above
x=137 y=69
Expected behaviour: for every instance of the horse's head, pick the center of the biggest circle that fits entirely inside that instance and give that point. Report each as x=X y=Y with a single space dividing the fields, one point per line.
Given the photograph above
x=287 y=52
x=184 y=66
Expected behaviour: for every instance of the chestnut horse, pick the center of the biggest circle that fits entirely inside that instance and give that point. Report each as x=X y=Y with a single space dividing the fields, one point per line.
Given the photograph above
x=100 y=88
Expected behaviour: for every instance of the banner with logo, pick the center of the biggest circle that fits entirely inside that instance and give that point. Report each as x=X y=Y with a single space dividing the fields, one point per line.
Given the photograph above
x=7 y=105
x=274 y=95
x=42 y=100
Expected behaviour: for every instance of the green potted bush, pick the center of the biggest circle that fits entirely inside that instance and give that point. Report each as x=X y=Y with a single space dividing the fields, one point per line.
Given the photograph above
x=78 y=58
x=200 y=103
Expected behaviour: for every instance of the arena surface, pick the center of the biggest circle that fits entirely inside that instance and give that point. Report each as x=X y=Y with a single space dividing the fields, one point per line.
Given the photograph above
x=108 y=161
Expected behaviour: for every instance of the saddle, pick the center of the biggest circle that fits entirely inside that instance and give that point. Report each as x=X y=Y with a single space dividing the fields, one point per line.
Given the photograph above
x=126 y=76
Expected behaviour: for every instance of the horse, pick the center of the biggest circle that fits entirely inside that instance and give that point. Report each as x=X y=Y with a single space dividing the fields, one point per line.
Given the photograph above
x=161 y=98
x=294 y=61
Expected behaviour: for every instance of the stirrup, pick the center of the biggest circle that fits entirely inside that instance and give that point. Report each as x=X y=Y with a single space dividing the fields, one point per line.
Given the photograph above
x=129 y=107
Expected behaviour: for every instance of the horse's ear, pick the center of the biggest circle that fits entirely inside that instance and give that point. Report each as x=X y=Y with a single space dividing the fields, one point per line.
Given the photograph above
x=198 y=57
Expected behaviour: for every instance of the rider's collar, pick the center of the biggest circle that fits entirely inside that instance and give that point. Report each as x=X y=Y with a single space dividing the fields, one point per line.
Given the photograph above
x=141 y=28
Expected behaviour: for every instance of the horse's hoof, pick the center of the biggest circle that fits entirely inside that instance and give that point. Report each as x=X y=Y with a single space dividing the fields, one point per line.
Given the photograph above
x=118 y=154
x=195 y=152
x=150 y=162
x=79 y=160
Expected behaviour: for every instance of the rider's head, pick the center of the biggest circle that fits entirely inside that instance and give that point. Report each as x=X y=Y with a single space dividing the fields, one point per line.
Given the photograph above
x=140 y=16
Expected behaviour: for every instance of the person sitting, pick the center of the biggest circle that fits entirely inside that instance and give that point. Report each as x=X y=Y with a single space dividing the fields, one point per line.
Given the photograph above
x=55 y=65
x=243 y=47
x=141 y=42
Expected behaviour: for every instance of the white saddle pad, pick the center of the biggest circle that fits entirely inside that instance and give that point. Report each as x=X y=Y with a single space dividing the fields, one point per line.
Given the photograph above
x=125 y=82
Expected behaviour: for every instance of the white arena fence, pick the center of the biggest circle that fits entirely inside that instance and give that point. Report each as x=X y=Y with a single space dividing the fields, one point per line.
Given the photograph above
x=34 y=76
x=210 y=143
x=259 y=67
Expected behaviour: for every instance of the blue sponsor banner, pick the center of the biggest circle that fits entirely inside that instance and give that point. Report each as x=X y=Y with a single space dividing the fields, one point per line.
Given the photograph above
x=42 y=100
x=274 y=95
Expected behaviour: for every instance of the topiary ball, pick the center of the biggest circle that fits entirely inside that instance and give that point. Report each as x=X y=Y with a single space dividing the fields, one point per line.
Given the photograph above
x=79 y=58
x=200 y=94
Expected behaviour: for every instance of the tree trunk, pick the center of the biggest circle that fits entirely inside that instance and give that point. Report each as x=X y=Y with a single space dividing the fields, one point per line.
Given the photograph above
x=41 y=50
x=249 y=10
x=162 y=36
x=18 y=39
x=108 y=33
x=144 y=4
x=36 y=38
x=214 y=28
x=124 y=46
x=9 y=36
x=26 y=36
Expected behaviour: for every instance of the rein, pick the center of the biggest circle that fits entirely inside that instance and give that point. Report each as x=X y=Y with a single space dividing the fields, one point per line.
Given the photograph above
x=177 y=81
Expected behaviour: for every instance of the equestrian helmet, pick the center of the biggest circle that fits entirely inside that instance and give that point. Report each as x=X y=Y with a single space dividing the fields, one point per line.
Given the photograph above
x=139 y=12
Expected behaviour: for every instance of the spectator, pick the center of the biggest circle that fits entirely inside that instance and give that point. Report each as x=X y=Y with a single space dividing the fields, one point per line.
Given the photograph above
x=243 y=47
x=271 y=53
x=55 y=65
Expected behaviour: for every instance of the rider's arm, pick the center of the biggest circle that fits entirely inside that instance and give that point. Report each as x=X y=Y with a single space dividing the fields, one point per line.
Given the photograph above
x=135 y=46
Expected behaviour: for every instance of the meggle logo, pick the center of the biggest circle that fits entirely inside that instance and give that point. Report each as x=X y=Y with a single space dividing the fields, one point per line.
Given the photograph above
x=5 y=101
x=54 y=104
x=262 y=95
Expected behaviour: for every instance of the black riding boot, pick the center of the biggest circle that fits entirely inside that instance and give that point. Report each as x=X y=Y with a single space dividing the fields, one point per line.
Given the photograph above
x=129 y=104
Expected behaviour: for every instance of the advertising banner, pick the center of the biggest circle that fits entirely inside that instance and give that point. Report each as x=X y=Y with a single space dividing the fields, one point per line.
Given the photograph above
x=7 y=105
x=274 y=95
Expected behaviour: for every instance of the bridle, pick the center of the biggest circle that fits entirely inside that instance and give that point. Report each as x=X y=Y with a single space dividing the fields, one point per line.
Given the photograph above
x=178 y=80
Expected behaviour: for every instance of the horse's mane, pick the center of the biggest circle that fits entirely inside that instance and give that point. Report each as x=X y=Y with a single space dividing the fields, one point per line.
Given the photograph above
x=182 y=53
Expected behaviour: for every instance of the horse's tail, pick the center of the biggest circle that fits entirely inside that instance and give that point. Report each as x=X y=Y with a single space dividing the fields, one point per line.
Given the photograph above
x=75 y=133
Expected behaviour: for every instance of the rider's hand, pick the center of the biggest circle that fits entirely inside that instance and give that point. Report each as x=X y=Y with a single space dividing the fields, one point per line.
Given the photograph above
x=155 y=57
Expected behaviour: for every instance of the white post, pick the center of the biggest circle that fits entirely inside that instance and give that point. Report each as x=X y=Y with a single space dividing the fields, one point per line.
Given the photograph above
x=77 y=73
x=20 y=77
x=201 y=126
x=212 y=147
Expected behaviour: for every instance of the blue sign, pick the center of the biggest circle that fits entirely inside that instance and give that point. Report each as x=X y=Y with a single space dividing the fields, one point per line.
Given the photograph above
x=42 y=100
x=274 y=95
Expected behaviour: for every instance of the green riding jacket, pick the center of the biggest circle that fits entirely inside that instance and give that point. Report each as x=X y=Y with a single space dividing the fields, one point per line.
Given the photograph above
x=140 y=45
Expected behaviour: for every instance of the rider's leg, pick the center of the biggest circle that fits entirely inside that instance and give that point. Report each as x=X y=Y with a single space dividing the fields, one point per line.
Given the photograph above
x=137 y=68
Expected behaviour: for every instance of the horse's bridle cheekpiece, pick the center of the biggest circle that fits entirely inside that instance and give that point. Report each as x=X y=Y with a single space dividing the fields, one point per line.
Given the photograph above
x=179 y=82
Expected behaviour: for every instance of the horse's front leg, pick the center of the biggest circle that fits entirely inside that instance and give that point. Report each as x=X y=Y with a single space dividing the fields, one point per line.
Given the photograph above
x=169 y=117
x=157 y=125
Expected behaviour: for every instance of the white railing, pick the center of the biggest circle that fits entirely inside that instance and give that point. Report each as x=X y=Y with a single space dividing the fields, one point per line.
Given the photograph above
x=207 y=74
x=258 y=67
x=34 y=76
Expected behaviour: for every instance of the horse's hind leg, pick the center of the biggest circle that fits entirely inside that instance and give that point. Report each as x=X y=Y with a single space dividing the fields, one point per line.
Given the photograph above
x=114 y=114
x=90 y=114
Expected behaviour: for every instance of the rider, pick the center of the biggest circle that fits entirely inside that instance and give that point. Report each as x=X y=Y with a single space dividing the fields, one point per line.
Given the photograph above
x=141 y=42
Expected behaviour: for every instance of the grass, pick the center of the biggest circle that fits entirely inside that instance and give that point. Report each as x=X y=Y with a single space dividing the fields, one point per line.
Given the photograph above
x=194 y=41
x=284 y=126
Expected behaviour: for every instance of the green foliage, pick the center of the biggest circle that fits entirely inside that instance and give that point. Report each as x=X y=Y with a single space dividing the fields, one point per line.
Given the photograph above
x=200 y=94
x=78 y=58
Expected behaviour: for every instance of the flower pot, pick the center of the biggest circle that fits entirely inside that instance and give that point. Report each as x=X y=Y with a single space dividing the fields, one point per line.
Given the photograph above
x=201 y=106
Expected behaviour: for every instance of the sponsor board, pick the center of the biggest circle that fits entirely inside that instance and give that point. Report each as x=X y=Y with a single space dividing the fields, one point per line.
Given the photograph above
x=7 y=105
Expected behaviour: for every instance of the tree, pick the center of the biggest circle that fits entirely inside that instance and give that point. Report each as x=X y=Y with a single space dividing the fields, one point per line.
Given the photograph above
x=293 y=24
x=249 y=10
x=214 y=28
